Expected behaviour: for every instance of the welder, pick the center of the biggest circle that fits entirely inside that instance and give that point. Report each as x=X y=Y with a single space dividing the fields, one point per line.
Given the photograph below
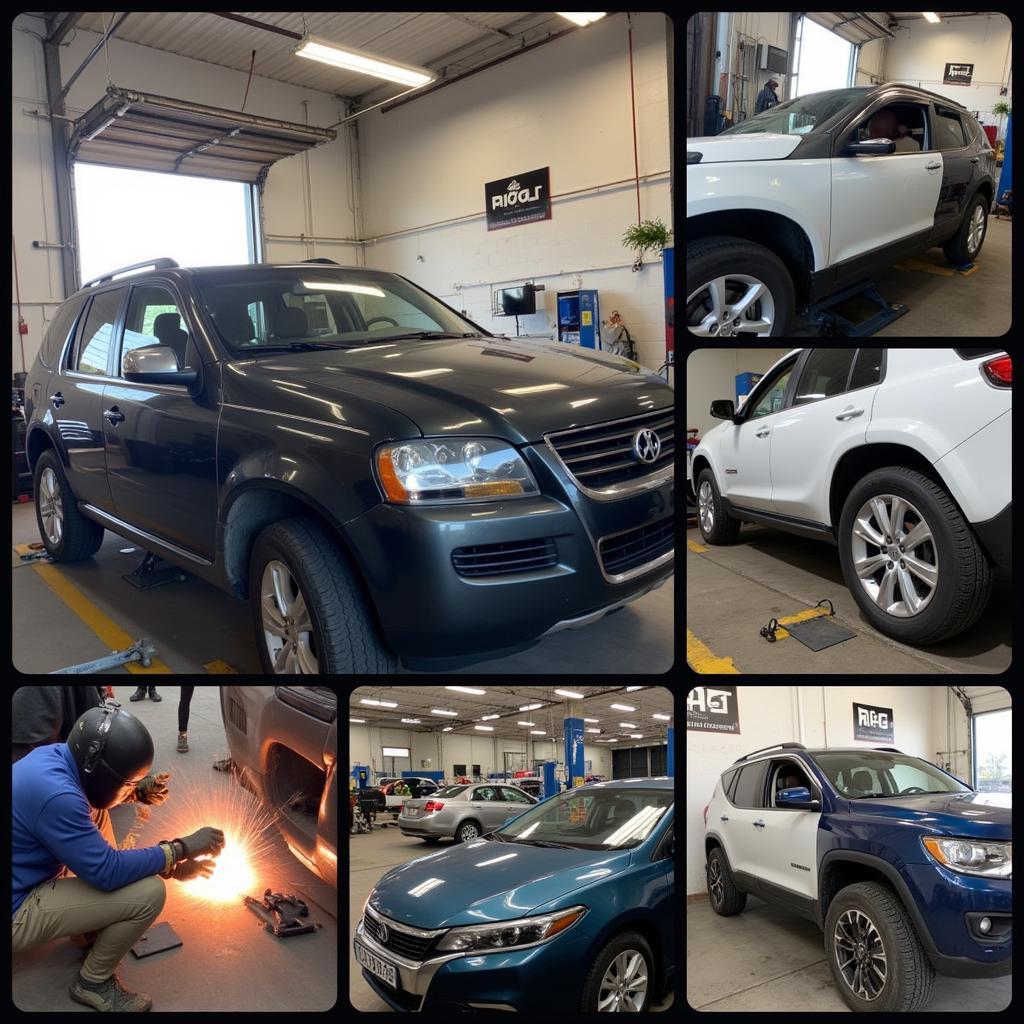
x=115 y=894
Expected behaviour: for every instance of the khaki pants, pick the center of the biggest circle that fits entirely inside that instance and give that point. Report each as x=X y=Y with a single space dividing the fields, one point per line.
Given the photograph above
x=69 y=906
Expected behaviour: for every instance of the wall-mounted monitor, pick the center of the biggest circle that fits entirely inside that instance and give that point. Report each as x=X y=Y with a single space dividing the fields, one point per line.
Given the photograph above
x=519 y=301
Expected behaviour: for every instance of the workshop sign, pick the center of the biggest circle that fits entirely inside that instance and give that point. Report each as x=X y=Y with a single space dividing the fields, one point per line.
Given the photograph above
x=518 y=200
x=713 y=709
x=958 y=74
x=871 y=723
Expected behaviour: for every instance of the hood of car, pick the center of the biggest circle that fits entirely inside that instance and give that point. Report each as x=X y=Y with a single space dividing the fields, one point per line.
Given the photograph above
x=483 y=386
x=483 y=881
x=963 y=814
x=720 y=149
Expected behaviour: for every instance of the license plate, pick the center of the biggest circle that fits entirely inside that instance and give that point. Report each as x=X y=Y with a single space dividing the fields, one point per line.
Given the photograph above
x=412 y=812
x=381 y=968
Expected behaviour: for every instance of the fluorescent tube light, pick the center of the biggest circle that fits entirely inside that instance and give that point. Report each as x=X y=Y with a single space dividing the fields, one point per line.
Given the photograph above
x=630 y=689
x=664 y=718
x=484 y=728
x=637 y=735
x=314 y=48
x=487 y=718
x=526 y=723
x=411 y=721
x=929 y=16
x=461 y=689
x=582 y=17
x=531 y=707
x=591 y=719
x=569 y=693
x=450 y=714
x=448 y=728
x=537 y=732
x=623 y=707
x=593 y=730
x=361 y=721
x=627 y=725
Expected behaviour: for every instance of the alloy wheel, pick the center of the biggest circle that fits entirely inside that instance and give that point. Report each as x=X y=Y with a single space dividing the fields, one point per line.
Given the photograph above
x=894 y=555
x=733 y=304
x=706 y=508
x=51 y=508
x=624 y=985
x=468 y=832
x=717 y=884
x=860 y=954
x=287 y=623
x=976 y=230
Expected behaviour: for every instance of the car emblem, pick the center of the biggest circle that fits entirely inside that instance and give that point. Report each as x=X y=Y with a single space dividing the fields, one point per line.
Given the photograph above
x=383 y=934
x=646 y=445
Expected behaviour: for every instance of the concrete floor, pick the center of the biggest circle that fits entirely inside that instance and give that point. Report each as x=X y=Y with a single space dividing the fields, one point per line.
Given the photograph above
x=226 y=961
x=193 y=624
x=732 y=591
x=372 y=855
x=955 y=306
x=766 y=959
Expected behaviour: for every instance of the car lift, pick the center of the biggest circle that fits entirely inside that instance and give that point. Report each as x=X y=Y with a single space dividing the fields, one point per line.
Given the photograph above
x=832 y=323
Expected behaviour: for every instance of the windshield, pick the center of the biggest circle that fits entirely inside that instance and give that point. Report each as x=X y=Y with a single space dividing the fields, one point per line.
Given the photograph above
x=592 y=819
x=295 y=308
x=798 y=116
x=858 y=775
x=450 y=790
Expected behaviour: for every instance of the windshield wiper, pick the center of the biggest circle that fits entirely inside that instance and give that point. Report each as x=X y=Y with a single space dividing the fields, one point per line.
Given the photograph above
x=427 y=334
x=544 y=842
x=295 y=346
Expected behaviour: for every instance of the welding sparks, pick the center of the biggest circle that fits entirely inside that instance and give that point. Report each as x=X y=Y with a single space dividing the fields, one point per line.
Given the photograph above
x=232 y=876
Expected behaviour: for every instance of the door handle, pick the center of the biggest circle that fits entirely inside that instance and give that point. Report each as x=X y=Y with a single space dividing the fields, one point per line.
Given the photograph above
x=762 y=433
x=932 y=167
x=57 y=399
x=758 y=824
x=975 y=159
x=114 y=415
x=725 y=817
x=849 y=414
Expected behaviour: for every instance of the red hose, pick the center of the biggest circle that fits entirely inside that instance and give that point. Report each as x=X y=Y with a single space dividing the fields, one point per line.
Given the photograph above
x=632 y=101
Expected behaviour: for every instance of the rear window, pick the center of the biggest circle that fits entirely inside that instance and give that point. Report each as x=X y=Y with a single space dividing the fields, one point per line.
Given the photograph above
x=450 y=790
x=727 y=780
x=749 y=785
x=975 y=353
x=58 y=331
x=867 y=370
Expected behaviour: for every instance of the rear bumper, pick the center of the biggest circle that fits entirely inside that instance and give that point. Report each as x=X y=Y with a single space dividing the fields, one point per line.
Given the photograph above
x=996 y=536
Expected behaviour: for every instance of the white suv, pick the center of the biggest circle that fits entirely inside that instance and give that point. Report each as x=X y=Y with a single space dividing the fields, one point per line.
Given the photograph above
x=901 y=457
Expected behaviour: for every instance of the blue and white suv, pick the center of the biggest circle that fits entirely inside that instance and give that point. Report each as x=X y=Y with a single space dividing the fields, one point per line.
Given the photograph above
x=906 y=868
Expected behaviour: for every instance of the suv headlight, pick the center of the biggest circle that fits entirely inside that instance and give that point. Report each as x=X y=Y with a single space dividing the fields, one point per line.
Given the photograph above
x=971 y=856
x=508 y=934
x=452 y=469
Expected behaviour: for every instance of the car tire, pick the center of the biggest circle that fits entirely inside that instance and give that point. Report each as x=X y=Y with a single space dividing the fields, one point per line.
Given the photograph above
x=67 y=535
x=344 y=636
x=964 y=576
x=625 y=945
x=716 y=525
x=467 y=831
x=725 y=898
x=958 y=249
x=870 y=909
x=723 y=256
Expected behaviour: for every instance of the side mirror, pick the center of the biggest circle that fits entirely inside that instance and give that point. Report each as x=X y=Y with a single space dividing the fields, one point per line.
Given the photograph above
x=798 y=798
x=871 y=147
x=156 y=364
x=723 y=409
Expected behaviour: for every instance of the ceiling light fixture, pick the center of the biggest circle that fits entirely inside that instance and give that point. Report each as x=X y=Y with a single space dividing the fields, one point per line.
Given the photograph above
x=531 y=707
x=627 y=725
x=593 y=730
x=623 y=707
x=664 y=718
x=448 y=728
x=636 y=735
x=630 y=689
x=569 y=693
x=367 y=700
x=450 y=714
x=314 y=48
x=484 y=728
x=526 y=723
x=361 y=721
x=411 y=721
x=537 y=732
x=466 y=689
x=930 y=16
x=591 y=719
x=582 y=18
x=487 y=718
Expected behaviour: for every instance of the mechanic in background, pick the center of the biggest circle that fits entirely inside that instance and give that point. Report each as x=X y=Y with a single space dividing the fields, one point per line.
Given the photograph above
x=45 y=714
x=768 y=97
x=116 y=893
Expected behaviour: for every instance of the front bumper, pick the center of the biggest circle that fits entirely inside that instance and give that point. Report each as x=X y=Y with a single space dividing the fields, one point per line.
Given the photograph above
x=996 y=536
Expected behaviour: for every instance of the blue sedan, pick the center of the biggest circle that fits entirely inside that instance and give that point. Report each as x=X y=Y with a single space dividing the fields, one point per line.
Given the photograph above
x=566 y=908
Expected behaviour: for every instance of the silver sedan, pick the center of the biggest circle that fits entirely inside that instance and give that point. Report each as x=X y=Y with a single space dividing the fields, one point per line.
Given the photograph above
x=462 y=812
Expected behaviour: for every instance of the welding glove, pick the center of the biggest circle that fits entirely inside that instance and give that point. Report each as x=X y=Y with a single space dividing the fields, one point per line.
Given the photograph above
x=205 y=840
x=153 y=789
x=186 y=869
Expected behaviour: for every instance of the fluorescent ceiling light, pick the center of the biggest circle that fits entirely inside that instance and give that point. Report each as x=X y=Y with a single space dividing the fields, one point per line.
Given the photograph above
x=611 y=741
x=487 y=718
x=378 y=703
x=484 y=728
x=582 y=17
x=367 y=700
x=463 y=689
x=929 y=16
x=593 y=730
x=450 y=714
x=569 y=693
x=359 y=720
x=537 y=732
x=411 y=721
x=627 y=725
x=448 y=728
x=526 y=723
x=623 y=707
x=327 y=52
x=630 y=689
x=591 y=719
x=637 y=735
x=358 y=289
x=530 y=707
x=664 y=718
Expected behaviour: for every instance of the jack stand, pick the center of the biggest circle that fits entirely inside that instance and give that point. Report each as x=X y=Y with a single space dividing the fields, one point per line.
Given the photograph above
x=146 y=575
x=141 y=651
x=834 y=323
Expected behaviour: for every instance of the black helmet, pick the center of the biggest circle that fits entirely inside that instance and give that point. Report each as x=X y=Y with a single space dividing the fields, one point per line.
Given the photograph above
x=112 y=749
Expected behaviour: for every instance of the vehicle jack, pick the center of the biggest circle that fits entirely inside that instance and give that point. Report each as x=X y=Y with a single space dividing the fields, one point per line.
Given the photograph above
x=147 y=574
x=280 y=914
x=832 y=323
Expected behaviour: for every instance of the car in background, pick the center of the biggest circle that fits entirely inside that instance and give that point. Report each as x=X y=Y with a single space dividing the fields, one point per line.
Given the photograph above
x=574 y=913
x=284 y=745
x=462 y=813
x=532 y=786
x=417 y=786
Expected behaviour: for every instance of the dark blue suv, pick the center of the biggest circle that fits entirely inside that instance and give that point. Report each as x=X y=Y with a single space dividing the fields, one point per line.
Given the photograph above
x=907 y=869
x=567 y=908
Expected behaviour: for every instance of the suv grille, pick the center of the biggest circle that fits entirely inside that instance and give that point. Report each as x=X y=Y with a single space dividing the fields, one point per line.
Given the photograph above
x=602 y=455
x=504 y=559
x=409 y=946
x=628 y=550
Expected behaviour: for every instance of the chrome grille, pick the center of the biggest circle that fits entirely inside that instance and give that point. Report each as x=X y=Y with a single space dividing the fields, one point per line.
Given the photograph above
x=409 y=946
x=504 y=559
x=634 y=548
x=601 y=455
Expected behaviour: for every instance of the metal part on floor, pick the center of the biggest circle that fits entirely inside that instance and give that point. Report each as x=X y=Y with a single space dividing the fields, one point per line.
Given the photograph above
x=153 y=572
x=835 y=323
x=141 y=651
x=280 y=914
x=817 y=634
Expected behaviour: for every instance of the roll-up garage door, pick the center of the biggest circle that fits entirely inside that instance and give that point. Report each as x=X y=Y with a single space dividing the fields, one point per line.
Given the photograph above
x=630 y=763
x=138 y=130
x=851 y=26
x=987 y=698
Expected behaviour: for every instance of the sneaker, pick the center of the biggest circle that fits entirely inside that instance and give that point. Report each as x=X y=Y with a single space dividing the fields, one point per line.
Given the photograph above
x=139 y=694
x=154 y=696
x=109 y=996
x=182 y=742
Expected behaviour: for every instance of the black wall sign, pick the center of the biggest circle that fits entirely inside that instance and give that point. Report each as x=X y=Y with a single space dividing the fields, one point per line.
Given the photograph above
x=871 y=723
x=958 y=74
x=713 y=709
x=519 y=199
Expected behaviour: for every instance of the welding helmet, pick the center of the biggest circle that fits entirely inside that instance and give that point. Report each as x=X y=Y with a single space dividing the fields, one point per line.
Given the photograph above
x=112 y=749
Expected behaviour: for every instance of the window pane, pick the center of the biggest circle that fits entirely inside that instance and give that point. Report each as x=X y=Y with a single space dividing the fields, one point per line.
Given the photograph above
x=824 y=374
x=771 y=400
x=658 y=766
x=948 y=130
x=993 y=754
x=727 y=780
x=868 y=368
x=94 y=343
x=748 y=787
x=58 y=331
x=153 y=319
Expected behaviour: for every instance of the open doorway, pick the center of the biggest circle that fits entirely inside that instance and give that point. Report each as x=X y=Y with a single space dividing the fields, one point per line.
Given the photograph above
x=823 y=60
x=993 y=753
x=126 y=216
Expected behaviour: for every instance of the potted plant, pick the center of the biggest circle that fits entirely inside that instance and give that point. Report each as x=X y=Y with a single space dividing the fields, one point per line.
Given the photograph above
x=647 y=236
x=1001 y=108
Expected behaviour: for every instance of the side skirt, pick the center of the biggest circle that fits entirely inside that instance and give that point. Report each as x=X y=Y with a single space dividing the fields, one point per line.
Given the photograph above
x=801 y=527
x=804 y=906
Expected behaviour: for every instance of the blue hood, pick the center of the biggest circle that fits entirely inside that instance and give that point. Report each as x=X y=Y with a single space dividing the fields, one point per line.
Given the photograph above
x=959 y=814
x=472 y=892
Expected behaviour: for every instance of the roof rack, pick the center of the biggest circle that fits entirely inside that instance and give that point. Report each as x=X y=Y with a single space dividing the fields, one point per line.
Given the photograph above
x=159 y=264
x=774 y=746
x=323 y=259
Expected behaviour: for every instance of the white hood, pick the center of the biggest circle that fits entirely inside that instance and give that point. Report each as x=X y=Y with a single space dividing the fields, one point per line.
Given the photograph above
x=720 y=149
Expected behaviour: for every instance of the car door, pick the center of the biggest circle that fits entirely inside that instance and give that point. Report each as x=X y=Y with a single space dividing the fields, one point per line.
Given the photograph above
x=788 y=844
x=828 y=415
x=959 y=165
x=744 y=824
x=488 y=807
x=161 y=440
x=516 y=801
x=744 y=449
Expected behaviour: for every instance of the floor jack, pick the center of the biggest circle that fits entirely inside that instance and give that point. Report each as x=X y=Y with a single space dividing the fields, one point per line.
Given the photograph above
x=280 y=914
x=832 y=323
x=152 y=572
x=141 y=651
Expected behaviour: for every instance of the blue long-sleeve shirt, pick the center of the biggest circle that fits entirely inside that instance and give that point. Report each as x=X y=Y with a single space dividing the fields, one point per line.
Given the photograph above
x=52 y=827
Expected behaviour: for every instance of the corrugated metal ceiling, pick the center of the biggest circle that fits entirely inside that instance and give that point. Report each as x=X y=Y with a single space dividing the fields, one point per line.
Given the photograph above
x=849 y=25
x=449 y=43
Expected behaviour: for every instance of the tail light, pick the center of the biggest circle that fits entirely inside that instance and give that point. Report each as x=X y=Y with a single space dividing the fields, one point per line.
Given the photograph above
x=706 y=806
x=999 y=371
x=432 y=805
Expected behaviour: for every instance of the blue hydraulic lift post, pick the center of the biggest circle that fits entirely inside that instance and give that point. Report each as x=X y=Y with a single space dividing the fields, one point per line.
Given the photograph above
x=572 y=729
x=670 y=750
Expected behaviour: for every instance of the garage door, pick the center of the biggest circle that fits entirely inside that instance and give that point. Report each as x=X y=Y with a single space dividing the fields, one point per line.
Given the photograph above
x=630 y=763
x=138 y=130
x=987 y=698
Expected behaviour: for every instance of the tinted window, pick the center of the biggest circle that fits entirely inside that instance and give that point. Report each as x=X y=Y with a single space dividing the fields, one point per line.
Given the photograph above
x=824 y=374
x=153 y=319
x=867 y=369
x=58 y=331
x=748 y=786
x=771 y=400
x=949 y=132
x=727 y=780
x=95 y=339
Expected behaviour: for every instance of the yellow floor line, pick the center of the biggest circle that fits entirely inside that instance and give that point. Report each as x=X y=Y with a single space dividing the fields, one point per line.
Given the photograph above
x=692 y=545
x=810 y=613
x=109 y=632
x=220 y=668
x=928 y=268
x=702 y=659
x=967 y=273
x=27 y=549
